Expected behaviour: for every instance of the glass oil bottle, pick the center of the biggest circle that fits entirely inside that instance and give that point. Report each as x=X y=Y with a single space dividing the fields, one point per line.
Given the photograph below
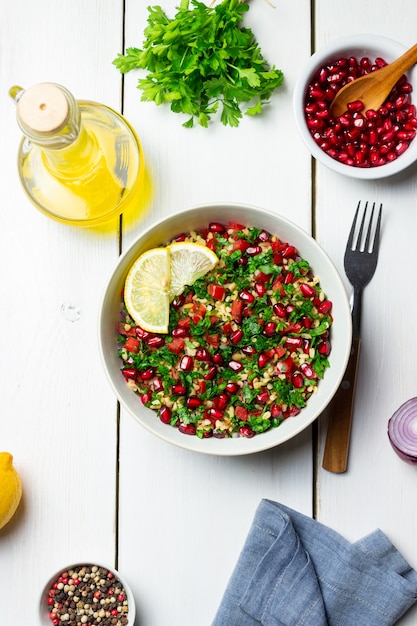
x=79 y=162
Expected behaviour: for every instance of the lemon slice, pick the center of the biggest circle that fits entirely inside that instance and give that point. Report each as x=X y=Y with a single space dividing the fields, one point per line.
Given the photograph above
x=189 y=261
x=146 y=290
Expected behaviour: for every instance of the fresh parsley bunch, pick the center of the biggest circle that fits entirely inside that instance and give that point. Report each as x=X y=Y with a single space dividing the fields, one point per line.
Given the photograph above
x=201 y=60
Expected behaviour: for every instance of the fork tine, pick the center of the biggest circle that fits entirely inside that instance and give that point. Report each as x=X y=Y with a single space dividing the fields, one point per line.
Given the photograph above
x=368 y=234
x=349 y=243
x=360 y=233
x=375 y=245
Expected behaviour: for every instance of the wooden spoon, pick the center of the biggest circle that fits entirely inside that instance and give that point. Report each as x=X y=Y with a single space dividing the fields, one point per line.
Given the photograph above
x=374 y=88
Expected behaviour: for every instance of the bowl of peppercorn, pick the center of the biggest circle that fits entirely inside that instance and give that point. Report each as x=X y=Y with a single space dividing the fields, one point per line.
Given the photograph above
x=360 y=144
x=253 y=347
x=86 y=593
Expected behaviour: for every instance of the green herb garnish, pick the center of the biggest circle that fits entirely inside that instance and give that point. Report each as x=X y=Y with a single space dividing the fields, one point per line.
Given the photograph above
x=201 y=60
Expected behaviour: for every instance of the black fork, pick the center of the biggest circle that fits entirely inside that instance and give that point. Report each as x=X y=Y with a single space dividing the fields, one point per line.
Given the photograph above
x=361 y=258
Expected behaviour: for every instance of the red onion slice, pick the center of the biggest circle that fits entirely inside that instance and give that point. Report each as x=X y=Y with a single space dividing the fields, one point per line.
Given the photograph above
x=402 y=431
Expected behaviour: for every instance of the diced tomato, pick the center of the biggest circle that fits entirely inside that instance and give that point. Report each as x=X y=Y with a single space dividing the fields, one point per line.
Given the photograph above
x=234 y=226
x=213 y=340
x=184 y=322
x=278 y=286
x=212 y=243
x=278 y=246
x=227 y=328
x=199 y=309
x=214 y=319
x=132 y=345
x=176 y=345
x=130 y=332
x=216 y=291
x=241 y=413
x=241 y=244
x=237 y=308
x=279 y=351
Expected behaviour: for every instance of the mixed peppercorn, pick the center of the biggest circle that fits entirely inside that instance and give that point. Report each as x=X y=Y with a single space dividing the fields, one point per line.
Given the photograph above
x=90 y=595
x=247 y=343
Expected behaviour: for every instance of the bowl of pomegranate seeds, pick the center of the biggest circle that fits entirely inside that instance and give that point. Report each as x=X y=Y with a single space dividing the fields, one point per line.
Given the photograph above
x=254 y=346
x=361 y=144
x=87 y=593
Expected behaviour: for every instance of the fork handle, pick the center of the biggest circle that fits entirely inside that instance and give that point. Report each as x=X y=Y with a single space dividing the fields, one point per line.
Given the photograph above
x=339 y=413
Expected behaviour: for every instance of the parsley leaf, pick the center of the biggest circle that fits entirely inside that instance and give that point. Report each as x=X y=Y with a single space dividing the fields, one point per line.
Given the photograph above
x=202 y=61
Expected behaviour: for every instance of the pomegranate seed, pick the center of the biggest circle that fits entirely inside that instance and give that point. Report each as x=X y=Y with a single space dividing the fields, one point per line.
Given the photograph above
x=249 y=350
x=187 y=429
x=186 y=363
x=155 y=342
x=165 y=414
x=246 y=431
x=297 y=380
x=355 y=106
x=260 y=288
x=148 y=373
x=202 y=354
x=293 y=342
x=325 y=307
x=218 y=359
x=263 y=236
x=262 y=397
x=280 y=310
x=130 y=373
x=221 y=401
x=216 y=414
x=211 y=373
x=146 y=397
x=307 y=290
x=178 y=301
x=232 y=387
x=180 y=332
x=236 y=366
x=269 y=329
x=307 y=370
x=276 y=411
x=157 y=385
x=246 y=296
x=236 y=336
x=263 y=359
x=142 y=334
x=179 y=390
x=289 y=252
x=215 y=227
x=324 y=348
x=253 y=250
x=193 y=402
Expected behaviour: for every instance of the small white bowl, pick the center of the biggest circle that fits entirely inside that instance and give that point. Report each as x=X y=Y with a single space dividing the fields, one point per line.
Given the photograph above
x=43 y=603
x=195 y=219
x=363 y=45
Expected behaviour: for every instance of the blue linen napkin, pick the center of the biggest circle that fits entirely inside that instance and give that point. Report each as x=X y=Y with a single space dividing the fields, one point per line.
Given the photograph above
x=294 y=571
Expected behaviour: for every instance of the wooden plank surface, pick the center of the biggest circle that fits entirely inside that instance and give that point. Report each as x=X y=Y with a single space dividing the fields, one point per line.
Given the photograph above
x=378 y=489
x=184 y=517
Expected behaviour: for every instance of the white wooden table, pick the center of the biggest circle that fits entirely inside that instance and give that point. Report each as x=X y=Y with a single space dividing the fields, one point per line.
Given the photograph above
x=98 y=486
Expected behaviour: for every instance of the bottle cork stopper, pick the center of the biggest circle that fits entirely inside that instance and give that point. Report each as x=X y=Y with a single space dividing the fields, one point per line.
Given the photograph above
x=43 y=108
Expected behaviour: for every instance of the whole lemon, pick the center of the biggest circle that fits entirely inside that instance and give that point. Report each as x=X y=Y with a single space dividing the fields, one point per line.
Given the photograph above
x=10 y=488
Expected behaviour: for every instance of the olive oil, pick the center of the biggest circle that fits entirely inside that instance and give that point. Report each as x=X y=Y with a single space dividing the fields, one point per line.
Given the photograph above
x=79 y=162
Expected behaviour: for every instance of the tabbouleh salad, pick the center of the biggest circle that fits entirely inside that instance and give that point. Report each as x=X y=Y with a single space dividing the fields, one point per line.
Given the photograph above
x=247 y=343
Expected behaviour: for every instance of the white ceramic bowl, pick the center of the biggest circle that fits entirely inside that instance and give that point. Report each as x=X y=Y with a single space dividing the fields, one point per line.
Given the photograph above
x=43 y=603
x=372 y=46
x=194 y=219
